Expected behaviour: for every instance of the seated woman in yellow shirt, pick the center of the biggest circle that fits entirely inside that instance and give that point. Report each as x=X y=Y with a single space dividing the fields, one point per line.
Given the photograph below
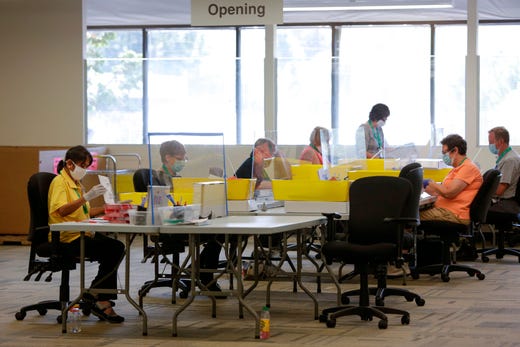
x=68 y=202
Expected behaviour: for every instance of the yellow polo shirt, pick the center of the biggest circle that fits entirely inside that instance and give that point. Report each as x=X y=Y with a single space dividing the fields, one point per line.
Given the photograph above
x=63 y=190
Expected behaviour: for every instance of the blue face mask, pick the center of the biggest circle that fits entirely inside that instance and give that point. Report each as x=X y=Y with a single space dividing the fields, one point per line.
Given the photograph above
x=178 y=166
x=446 y=159
x=493 y=148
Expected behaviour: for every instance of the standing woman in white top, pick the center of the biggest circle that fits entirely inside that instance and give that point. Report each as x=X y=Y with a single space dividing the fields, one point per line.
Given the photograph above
x=370 y=139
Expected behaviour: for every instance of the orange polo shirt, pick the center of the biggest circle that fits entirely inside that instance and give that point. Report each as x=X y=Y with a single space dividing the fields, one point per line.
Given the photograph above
x=459 y=205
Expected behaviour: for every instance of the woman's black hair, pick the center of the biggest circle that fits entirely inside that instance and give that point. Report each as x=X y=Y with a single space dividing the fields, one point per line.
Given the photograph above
x=77 y=154
x=454 y=140
x=379 y=112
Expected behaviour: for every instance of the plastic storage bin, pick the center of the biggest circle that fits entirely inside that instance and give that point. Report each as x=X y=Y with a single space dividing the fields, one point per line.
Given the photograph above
x=310 y=190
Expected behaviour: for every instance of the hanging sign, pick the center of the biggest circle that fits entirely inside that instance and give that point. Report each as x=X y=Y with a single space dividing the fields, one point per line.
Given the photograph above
x=236 y=12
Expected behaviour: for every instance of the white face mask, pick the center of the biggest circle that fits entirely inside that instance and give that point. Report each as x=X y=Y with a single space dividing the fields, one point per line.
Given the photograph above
x=380 y=123
x=78 y=173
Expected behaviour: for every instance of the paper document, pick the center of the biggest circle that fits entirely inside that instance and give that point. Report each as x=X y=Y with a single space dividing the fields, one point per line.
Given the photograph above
x=109 y=194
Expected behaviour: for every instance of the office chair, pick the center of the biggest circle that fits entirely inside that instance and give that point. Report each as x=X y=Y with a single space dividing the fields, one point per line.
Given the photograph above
x=375 y=229
x=450 y=233
x=141 y=181
x=164 y=245
x=503 y=222
x=414 y=173
x=46 y=256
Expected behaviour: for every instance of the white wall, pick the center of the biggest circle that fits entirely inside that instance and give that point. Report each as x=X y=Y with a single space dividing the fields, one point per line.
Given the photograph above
x=41 y=72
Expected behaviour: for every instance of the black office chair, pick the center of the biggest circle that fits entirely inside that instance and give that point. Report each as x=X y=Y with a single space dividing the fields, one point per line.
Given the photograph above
x=414 y=173
x=164 y=245
x=45 y=256
x=375 y=231
x=141 y=181
x=450 y=233
x=504 y=222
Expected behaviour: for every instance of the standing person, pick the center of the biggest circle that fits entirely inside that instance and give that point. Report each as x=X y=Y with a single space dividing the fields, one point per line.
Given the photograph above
x=173 y=158
x=456 y=192
x=312 y=154
x=508 y=163
x=69 y=202
x=370 y=139
x=253 y=167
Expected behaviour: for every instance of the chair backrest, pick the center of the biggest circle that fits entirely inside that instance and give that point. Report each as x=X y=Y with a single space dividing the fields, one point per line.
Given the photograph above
x=37 y=193
x=141 y=180
x=482 y=201
x=371 y=200
x=414 y=173
x=517 y=192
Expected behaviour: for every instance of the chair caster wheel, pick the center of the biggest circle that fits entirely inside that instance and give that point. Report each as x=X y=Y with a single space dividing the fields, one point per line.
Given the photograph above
x=345 y=300
x=420 y=301
x=20 y=315
x=383 y=324
x=331 y=323
x=445 y=278
x=322 y=318
x=59 y=319
x=481 y=276
x=380 y=302
x=485 y=259
x=415 y=276
x=405 y=320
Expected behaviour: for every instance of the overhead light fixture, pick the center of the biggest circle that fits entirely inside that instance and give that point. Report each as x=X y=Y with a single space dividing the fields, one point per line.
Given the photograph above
x=367 y=5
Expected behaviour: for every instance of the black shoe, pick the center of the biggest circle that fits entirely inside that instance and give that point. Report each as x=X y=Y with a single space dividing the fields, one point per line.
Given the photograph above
x=103 y=315
x=216 y=288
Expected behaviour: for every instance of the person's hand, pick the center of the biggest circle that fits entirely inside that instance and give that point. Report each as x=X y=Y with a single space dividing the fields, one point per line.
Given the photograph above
x=96 y=191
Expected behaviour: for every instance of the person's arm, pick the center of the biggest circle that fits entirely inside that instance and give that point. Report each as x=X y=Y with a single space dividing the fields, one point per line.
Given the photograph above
x=70 y=207
x=447 y=191
x=501 y=188
x=96 y=211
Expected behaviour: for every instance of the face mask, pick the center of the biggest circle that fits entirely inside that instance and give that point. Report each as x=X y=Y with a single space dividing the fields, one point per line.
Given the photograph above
x=446 y=159
x=381 y=123
x=178 y=166
x=493 y=148
x=78 y=173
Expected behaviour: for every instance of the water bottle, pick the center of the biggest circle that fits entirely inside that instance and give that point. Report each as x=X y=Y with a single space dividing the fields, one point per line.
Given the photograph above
x=75 y=319
x=265 y=323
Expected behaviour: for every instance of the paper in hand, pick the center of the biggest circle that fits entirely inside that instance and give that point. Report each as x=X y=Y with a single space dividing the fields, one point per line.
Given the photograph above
x=109 y=194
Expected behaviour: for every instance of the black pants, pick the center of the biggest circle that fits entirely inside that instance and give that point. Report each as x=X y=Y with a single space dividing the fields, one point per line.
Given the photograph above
x=108 y=252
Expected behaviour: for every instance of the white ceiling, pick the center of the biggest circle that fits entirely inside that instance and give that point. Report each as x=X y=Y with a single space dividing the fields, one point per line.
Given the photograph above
x=177 y=12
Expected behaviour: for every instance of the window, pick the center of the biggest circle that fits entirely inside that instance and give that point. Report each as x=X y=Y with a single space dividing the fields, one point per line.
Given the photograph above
x=499 y=80
x=191 y=81
x=449 y=66
x=114 y=87
x=390 y=65
x=303 y=82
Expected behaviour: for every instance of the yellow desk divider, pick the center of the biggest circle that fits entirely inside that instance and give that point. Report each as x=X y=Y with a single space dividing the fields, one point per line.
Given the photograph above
x=241 y=188
x=312 y=196
x=135 y=198
x=305 y=172
x=436 y=175
x=183 y=187
x=354 y=175
x=310 y=190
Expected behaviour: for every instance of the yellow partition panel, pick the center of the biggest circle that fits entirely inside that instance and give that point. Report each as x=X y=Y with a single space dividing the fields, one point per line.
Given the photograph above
x=436 y=175
x=310 y=190
x=305 y=172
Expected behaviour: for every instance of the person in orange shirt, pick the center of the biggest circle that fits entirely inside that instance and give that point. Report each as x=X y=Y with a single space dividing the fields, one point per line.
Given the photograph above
x=312 y=154
x=456 y=192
